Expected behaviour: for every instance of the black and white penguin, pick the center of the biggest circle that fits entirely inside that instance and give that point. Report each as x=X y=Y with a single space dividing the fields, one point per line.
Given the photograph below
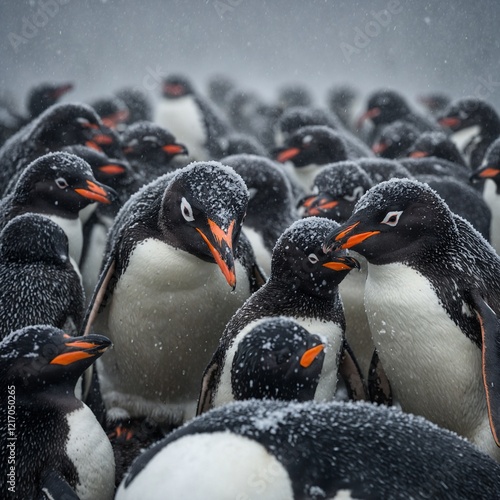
x=57 y=185
x=39 y=284
x=475 y=125
x=60 y=125
x=150 y=149
x=190 y=118
x=386 y=106
x=337 y=189
x=163 y=296
x=395 y=139
x=271 y=207
x=489 y=172
x=428 y=271
x=309 y=149
x=112 y=110
x=274 y=450
x=436 y=166
x=52 y=444
x=303 y=287
x=436 y=144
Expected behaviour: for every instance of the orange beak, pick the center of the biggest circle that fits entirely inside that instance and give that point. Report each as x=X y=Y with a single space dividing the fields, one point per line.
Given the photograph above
x=342 y=264
x=379 y=147
x=418 y=154
x=221 y=248
x=287 y=154
x=112 y=169
x=449 y=121
x=310 y=355
x=78 y=348
x=175 y=149
x=343 y=240
x=317 y=205
x=371 y=113
x=96 y=192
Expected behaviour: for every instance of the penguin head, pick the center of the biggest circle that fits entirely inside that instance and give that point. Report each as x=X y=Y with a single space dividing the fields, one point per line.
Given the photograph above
x=467 y=112
x=176 y=86
x=112 y=110
x=45 y=95
x=277 y=359
x=383 y=169
x=202 y=213
x=434 y=101
x=312 y=145
x=30 y=238
x=395 y=139
x=336 y=190
x=299 y=260
x=60 y=182
x=269 y=189
x=435 y=144
x=396 y=221
x=385 y=106
x=149 y=142
x=41 y=356
x=490 y=169
x=113 y=172
x=69 y=123
x=292 y=95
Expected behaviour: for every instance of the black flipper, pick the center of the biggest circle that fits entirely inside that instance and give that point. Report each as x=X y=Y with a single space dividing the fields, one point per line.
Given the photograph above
x=53 y=486
x=207 y=387
x=490 y=332
x=351 y=374
x=379 y=387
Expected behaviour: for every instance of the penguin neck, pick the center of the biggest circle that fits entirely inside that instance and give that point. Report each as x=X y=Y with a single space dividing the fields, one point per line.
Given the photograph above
x=60 y=394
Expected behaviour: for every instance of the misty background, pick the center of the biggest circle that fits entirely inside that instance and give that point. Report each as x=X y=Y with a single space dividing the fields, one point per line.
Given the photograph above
x=103 y=45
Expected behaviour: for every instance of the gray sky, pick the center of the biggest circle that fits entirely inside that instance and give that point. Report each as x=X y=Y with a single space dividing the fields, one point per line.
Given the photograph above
x=450 y=45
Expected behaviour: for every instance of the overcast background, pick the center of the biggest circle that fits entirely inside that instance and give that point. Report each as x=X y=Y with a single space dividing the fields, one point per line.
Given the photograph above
x=101 y=45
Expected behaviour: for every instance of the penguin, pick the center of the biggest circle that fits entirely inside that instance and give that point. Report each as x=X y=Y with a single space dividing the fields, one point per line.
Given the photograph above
x=294 y=94
x=489 y=172
x=96 y=222
x=276 y=450
x=436 y=144
x=436 y=166
x=43 y=96
x=428 y=272
x=475 y=120
x=242 y=106
x=54 y=442
x=303 y=287
x=336 y=190
x=39 y=284
x=150 y=150
x=60 y=125
x=219 y=87
x=434 y=102
x=138 y=104
x=395 y=139
x=271 y=207
x=309 y=149
x=341 y=100
x=57 y=185
x=176 y=269
x=189 y=117
x=112 y=110
x=277 y=359
x=386 y=106
x=295 y=118
x=383 y=169
x=237 y=143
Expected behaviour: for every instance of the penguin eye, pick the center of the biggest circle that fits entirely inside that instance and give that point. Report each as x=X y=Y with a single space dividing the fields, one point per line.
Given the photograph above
x=61 y=183
x=392 y=218
x=283 y=356
x=187 y=211
x=307 y=139
x=312 y=258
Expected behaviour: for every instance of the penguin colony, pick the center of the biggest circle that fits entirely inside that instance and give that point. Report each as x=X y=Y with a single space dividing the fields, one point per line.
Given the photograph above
x=217 y=297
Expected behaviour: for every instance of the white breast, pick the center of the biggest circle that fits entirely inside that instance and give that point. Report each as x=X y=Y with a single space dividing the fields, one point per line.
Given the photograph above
x=215 y=466
x=183 y=118
x=165 y=319
x=492 y=199
x=305 y=176
x=434 y=369
x=262 y=254
x=74 y=232
x=89 y=449
x=329 y=333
